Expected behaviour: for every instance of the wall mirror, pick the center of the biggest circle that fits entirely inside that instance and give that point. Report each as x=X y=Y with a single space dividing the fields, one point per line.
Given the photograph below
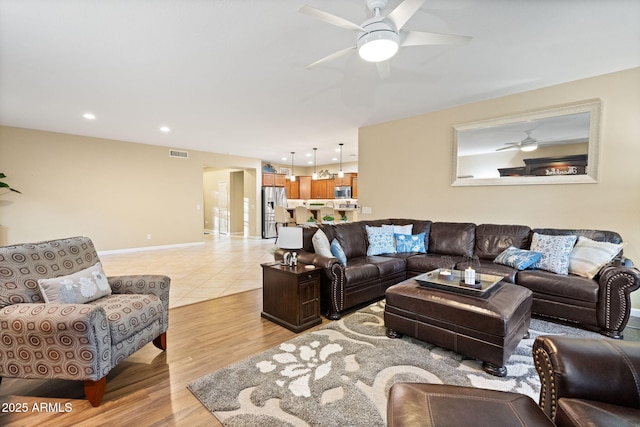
x=556 y=145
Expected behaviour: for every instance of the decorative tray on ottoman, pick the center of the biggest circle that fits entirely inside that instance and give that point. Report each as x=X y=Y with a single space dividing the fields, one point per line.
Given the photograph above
x=455 y=282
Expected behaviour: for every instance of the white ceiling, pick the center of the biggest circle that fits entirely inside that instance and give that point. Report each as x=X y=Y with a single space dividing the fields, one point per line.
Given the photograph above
x=229 y=76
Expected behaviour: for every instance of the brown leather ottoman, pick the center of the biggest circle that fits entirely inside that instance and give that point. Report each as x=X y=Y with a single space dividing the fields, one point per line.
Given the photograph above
x=487 y=327
x=438 y=405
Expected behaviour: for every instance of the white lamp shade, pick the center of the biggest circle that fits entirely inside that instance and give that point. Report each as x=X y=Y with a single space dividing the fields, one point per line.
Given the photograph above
x=289 y=238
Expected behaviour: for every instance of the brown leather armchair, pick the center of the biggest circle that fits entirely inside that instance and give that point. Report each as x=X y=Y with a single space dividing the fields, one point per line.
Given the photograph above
x=588 y=381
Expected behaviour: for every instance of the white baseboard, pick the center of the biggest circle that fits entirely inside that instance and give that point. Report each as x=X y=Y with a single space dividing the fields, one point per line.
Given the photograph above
x=635 y=312
x=148 y=248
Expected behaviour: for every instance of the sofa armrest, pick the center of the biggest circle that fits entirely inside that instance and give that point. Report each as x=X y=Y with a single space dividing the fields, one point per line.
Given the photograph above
x=63 y=341
x=332 y=283
x=153 y=284
x=595 y=369
x=306 y=257
x=614 y=302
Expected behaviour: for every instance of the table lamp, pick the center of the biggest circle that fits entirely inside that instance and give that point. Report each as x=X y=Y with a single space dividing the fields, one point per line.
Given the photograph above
x=289 y=238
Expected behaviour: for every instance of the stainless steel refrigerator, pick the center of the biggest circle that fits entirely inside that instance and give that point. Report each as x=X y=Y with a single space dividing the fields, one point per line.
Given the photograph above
x=271 y=197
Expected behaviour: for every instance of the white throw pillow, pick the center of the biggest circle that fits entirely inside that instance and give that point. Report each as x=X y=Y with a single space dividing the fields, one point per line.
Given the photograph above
x=589 y=256
x=321 y=244
x=77 y=288
x=401 y=229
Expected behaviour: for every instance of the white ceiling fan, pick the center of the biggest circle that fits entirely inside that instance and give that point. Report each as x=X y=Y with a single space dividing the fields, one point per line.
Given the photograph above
x=380 y=37
x=529 y=143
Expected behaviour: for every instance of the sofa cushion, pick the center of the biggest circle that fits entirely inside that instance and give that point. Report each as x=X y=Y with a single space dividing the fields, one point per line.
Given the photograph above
x=423 y=263
x=360 y=270
x=336 y=251
x=388 y=265
x=569 y=287
x=380 y=240
x=589 y=256
x=352 y=237
x=452 y=238
x=77 y=288
x=572 y=412
x=490 y=267
x=130 y=313
x=410 y=243
x=519 y=259
x=555 y=252
x=492 y=239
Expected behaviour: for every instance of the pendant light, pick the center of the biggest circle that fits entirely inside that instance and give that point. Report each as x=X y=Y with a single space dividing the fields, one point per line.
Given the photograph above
x=314 y=176
x=293 y=176
x=340 y=173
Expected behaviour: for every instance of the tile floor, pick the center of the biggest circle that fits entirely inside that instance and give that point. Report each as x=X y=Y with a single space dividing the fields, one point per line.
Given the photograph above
x=223 y=265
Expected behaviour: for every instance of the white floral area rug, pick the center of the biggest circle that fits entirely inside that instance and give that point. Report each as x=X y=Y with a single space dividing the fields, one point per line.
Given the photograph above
x=340 y=375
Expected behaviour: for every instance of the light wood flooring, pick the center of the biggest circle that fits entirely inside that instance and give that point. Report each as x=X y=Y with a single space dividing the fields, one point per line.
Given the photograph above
x=150 y=387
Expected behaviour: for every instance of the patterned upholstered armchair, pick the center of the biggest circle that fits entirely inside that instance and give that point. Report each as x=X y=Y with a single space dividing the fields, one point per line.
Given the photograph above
x=62 y=318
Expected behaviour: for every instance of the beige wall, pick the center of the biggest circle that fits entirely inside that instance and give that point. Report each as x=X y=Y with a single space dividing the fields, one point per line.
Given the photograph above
x=116 y=192
x=405 y=166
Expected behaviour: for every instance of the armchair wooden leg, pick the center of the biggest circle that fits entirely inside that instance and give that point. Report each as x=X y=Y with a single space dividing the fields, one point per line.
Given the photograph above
x=161 y=341
x=94 y=390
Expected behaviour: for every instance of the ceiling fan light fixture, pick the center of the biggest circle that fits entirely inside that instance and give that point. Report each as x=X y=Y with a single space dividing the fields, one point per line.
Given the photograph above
x=529 y=147
x=379 y=43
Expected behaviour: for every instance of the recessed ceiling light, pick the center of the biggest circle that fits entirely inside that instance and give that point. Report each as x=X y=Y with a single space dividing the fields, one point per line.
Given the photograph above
x=333 y=159
x=165 y=129
x=285 y=158
x=89 y=116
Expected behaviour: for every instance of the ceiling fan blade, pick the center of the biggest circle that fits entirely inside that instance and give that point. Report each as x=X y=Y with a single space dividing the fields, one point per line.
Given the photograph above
x=331 y=57
x=330 y=19
x=510 y=147
x=405 y=10
x=384 y=69
x=417 y=38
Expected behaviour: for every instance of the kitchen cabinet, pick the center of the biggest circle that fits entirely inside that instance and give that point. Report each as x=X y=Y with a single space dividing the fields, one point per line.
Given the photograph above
x=354 y=187
x=273 y=179
x=319 y=189
x=292 y=189
x=347 y=180
x=304 y=185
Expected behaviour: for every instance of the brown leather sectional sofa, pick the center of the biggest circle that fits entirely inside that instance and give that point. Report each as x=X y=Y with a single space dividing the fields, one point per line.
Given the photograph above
x=601 y=303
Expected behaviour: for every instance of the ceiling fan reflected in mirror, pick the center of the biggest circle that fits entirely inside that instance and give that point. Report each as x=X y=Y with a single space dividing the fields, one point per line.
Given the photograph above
x=529 y=143
x=380 y=36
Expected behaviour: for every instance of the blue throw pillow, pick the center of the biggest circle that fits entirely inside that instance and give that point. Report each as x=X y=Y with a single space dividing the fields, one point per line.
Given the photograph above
x=410 y=243
x=381 y=241
x=518 y=258
x=337 y=252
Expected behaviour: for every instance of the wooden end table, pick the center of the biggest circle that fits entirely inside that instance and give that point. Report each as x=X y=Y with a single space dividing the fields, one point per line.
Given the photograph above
x=291 y=295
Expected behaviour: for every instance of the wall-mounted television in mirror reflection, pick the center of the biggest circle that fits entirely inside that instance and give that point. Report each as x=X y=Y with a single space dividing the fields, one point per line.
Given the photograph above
x=557 y=145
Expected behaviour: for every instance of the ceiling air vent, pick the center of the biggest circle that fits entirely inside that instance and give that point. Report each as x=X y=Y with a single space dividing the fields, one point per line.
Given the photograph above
x=179 y=154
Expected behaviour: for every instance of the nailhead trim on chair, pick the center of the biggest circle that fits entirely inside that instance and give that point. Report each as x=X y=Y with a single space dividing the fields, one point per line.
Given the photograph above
x=541 y=353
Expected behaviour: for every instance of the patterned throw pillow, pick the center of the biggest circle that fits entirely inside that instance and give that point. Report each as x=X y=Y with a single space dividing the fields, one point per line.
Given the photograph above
x=77 y=288
x=410 y=243
x=381 y=241
x=321 y=244
x=555 y=252
x=589 y=256
x=518 y=258
x=338 y=252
